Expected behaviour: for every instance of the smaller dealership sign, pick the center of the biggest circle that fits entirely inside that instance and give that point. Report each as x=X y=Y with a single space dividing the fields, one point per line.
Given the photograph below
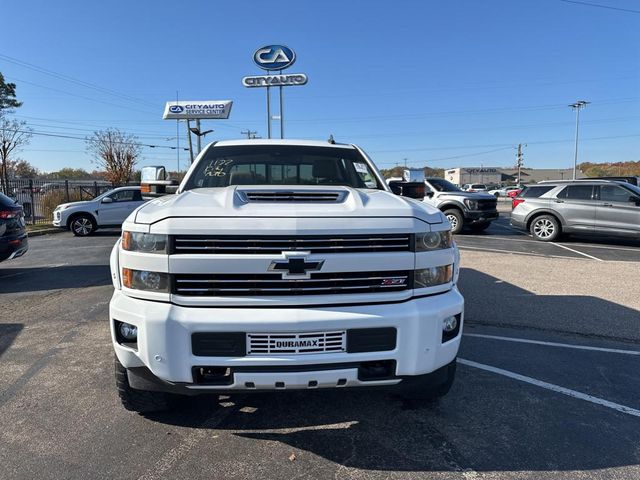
x=275 y=80
x=274 y=57
x=213 y=109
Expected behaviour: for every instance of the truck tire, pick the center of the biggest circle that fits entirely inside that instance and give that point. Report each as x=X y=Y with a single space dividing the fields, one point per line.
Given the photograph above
x=140 y=401
x=82 y=225
x=430 y=393
x=545 y=228
x=455 y=219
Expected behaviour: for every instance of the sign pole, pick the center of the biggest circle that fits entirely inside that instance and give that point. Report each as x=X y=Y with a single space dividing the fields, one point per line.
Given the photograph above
x=281 y=111
x=189 y=137
x=198 y=143
x=268 y=112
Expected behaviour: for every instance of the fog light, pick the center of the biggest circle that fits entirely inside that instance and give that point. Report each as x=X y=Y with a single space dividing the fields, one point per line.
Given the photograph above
x=449 y=324
x=128 y=332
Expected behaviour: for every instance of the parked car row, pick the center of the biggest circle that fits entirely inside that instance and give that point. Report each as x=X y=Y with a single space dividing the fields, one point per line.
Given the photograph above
x=592 y=207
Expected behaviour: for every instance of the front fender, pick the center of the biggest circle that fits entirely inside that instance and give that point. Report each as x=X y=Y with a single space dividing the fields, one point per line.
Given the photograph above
x=114 y=263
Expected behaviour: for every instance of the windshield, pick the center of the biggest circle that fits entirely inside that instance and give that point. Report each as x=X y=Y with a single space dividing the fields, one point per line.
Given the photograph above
x=442 y=185
x=282 y=165
x=633 y=188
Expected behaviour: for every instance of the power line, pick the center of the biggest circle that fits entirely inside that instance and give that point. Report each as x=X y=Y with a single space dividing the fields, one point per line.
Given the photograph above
x=70 y=79
x=84 y=139
x=80 y=96
x=539 y=142
x=608 y=7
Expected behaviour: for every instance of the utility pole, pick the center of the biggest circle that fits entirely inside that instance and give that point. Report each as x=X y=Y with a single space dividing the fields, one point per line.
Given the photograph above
x=577 y=106
x=519 y=162
x=249 y=133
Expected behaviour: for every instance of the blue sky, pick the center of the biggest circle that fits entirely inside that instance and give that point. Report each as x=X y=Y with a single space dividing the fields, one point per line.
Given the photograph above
x=440 y=83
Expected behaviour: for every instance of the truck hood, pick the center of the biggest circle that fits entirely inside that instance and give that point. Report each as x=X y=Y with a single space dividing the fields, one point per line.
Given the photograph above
x=240 y=201
x=74 y=204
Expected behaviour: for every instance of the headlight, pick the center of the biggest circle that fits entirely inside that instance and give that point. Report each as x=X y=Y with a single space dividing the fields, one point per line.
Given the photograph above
x=144 y=242
x=471 y=204
x=143 y=280
x=433 y=240
x=432 y=276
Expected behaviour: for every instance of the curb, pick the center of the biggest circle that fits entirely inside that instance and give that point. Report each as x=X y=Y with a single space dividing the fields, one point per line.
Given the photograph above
x=45 y=231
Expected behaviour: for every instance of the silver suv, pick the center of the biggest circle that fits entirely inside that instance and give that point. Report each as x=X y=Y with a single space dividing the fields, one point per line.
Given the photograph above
x=580 y=206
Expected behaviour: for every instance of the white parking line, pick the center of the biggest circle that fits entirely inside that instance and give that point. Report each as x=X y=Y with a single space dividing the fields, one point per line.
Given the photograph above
x=576 y=251
x=555 y=388
x=497 y=250
x=553 y=344
x=607 y=247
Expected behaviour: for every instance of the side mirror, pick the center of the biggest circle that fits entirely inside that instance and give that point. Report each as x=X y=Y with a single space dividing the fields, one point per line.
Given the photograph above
x=395 y=187
x=408 y=189
x=429 y=194
x=107 y=200
x=635 y=200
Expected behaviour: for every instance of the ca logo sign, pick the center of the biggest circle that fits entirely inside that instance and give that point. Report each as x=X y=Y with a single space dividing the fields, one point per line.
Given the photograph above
x=274 y=57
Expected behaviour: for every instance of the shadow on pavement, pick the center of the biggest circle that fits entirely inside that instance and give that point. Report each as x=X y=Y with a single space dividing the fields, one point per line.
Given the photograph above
x=8 y=333
x=487 y=423
x=33 y=279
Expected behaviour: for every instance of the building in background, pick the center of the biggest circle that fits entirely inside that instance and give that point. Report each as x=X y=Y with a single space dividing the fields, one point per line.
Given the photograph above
x=506 y=176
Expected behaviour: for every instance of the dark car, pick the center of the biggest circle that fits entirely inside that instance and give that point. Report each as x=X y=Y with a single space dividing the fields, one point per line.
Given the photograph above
x=632 y=179
x=13 y=231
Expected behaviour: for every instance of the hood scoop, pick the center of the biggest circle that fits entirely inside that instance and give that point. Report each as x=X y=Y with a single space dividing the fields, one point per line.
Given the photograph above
x=292 y=196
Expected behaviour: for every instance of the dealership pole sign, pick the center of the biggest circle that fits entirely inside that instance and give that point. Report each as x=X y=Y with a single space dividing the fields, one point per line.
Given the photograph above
x=274 y=58
x=198 y=109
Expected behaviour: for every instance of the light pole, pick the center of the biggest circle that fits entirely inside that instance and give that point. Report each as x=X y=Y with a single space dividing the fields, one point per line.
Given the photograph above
x=577 y=106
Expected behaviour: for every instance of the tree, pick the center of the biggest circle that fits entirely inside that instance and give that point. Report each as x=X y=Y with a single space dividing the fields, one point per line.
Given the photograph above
x=22 y=169
x=116 y=152
x=68 y=173
x=8 y=99
x=13 y=136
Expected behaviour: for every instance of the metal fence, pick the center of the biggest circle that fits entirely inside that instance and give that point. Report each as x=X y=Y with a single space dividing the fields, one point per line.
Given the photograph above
x=39 y=198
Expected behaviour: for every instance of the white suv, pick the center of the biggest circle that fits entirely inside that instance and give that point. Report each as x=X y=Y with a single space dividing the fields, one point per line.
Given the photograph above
x=108 y=210
x=282 y=265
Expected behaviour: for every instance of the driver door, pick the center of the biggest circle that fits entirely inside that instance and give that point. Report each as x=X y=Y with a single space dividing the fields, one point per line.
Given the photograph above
x=617 y=210
x=123 y=203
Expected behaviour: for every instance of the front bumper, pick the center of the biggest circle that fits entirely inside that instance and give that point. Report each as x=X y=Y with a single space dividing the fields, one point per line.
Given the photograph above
x=480 y=216
x=13 y=246
x=164 y=351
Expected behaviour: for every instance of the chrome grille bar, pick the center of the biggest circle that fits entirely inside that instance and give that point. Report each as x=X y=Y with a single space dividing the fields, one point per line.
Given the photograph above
x=190 y=244
x=274 y=284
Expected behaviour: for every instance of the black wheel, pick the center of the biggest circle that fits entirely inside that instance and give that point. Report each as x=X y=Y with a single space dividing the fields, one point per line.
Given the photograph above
x=545 y=228
x=455 y=219
x=480 y=227
x=428 y=392
x=82 y=225
x=141 y=401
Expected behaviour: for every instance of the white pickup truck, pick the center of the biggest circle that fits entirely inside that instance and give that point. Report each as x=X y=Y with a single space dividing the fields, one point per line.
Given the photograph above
x=282 y=265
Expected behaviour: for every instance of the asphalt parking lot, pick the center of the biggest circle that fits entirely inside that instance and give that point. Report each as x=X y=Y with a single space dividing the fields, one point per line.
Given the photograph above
x=547 y=385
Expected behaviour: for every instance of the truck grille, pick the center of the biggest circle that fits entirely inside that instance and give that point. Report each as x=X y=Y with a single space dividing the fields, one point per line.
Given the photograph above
x=488 y=204
x=191 y=244
x=299 y=343
x=267 y=284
